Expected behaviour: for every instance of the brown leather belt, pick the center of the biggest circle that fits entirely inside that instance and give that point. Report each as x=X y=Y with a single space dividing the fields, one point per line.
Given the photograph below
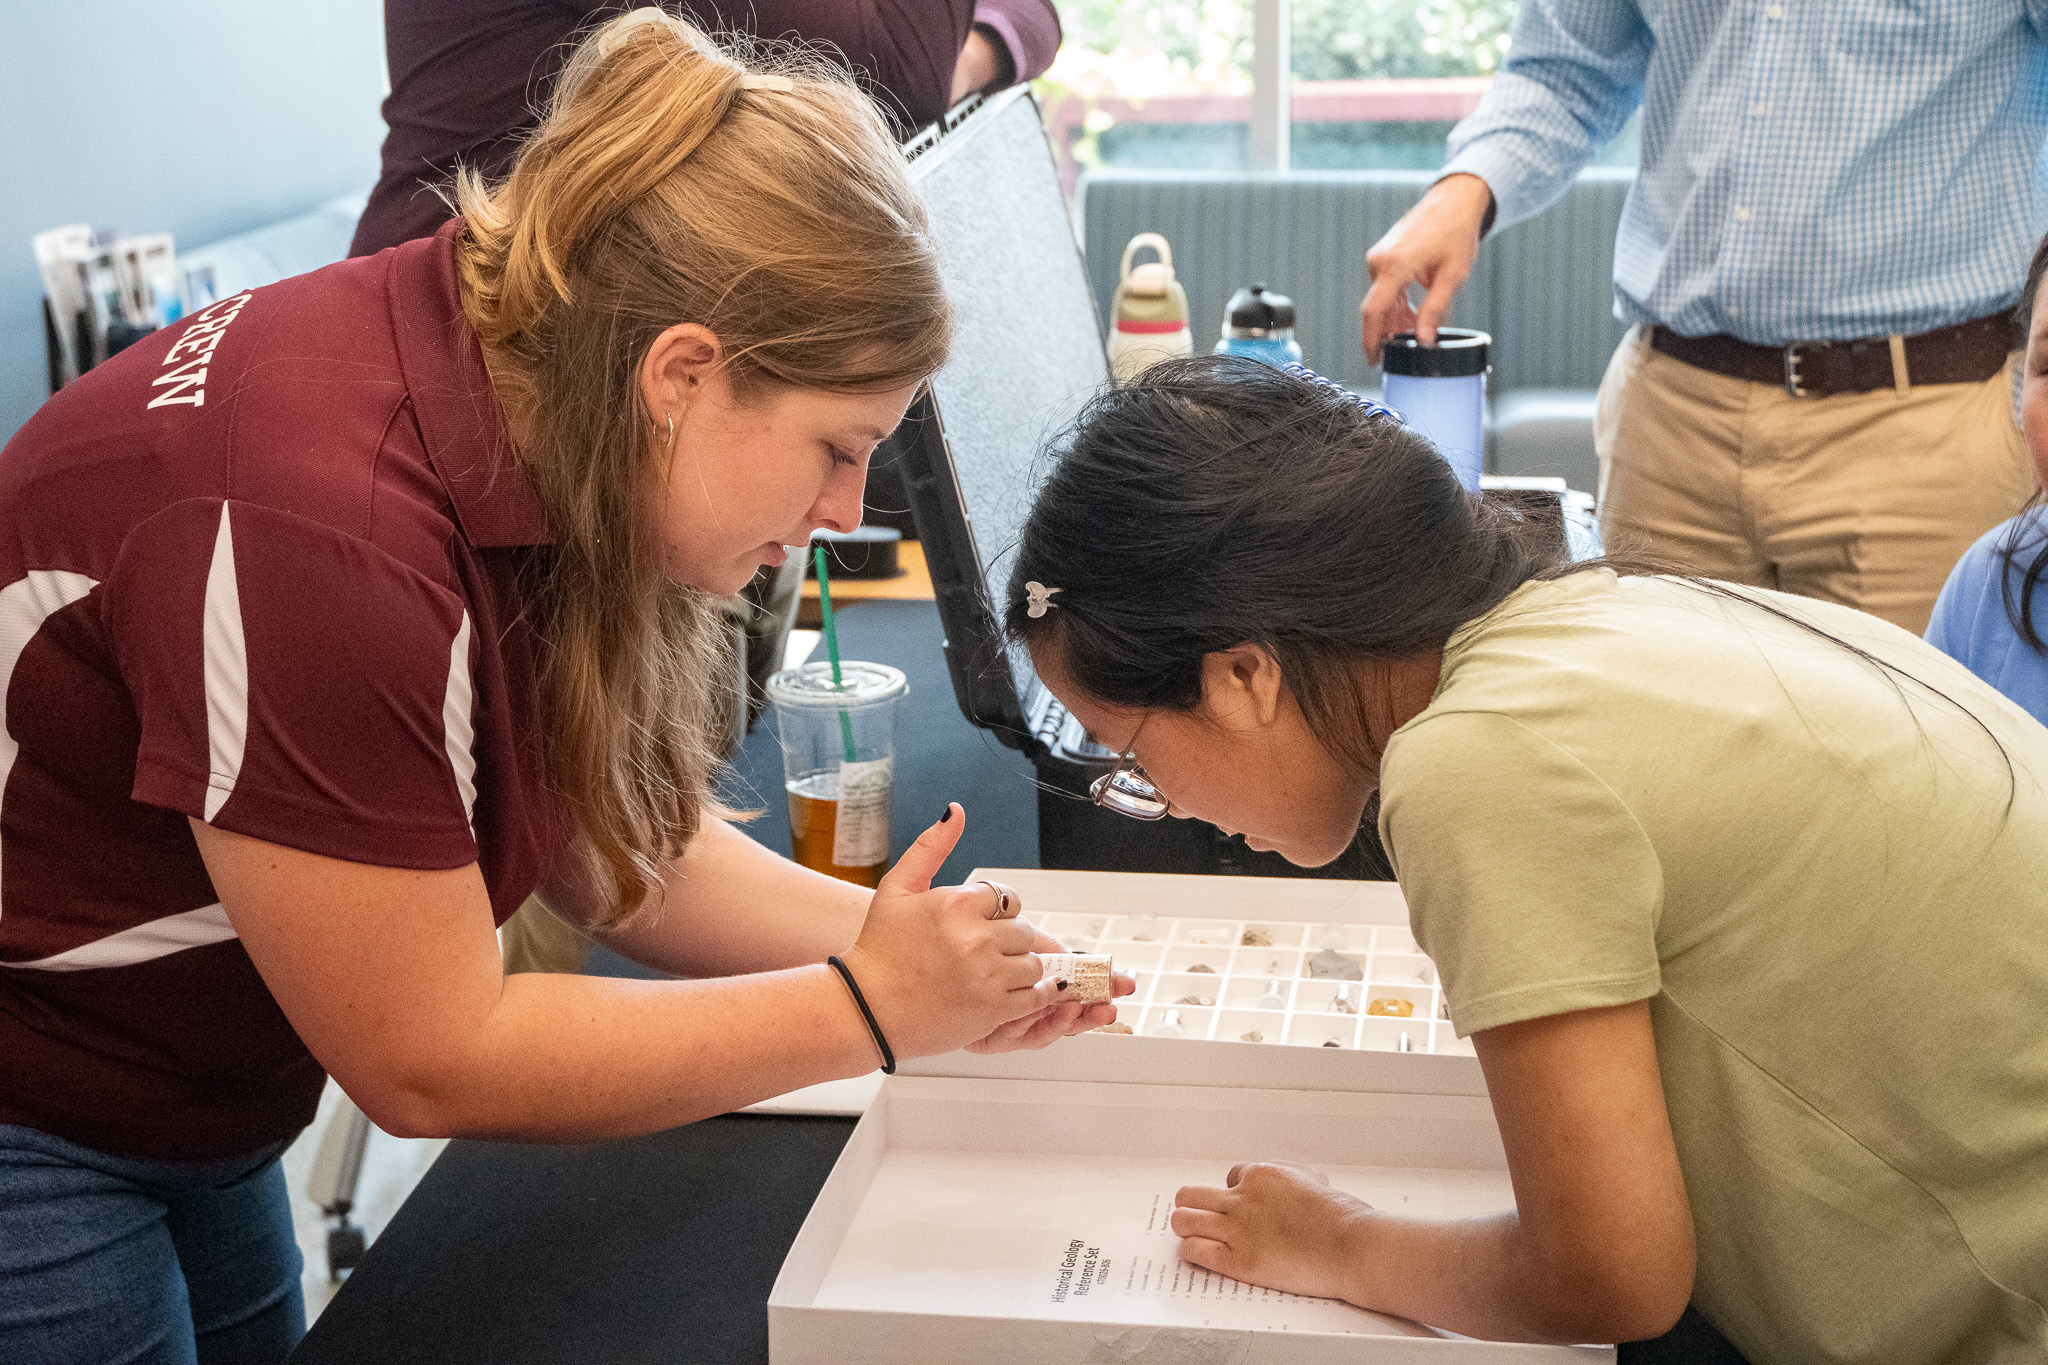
x=1967 y=353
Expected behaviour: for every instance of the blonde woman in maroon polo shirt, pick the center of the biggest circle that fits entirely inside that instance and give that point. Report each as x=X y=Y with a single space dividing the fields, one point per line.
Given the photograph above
x=339 y=619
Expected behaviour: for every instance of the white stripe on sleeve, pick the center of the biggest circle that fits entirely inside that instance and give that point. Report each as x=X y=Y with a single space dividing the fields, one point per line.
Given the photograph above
x=457 y=725
x=24 y=605
x=227 y=673
x=158 y=938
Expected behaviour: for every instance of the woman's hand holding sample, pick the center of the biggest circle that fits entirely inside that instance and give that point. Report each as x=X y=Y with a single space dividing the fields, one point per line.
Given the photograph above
x=940 y=972
x=1278 y=1224
x=1055 y=1021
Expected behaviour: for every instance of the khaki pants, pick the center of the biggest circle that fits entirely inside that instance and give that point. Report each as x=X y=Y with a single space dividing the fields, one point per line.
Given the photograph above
x=1864 y=499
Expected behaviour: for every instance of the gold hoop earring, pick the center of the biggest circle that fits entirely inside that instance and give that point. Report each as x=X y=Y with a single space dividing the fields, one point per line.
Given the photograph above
x=671 y=427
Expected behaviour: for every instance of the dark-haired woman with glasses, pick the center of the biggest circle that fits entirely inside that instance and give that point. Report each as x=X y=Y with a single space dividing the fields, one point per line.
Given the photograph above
x=1741 y=897
x=1993 y=612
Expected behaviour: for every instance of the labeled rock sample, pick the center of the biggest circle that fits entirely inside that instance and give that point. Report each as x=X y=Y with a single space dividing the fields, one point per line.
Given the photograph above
x=1086 y=975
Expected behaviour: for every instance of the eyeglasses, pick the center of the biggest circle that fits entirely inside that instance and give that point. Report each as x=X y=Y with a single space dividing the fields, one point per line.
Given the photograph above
x=1126 y=790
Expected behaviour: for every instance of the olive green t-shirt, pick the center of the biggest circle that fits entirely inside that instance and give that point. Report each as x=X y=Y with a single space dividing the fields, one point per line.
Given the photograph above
x=1833 y=890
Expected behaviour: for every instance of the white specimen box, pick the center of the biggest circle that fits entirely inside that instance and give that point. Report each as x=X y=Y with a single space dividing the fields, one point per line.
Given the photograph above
x=1014 y=1209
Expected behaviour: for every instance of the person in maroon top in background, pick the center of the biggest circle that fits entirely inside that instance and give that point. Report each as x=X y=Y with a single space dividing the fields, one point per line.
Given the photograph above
x=468 y=77
x=345 y=614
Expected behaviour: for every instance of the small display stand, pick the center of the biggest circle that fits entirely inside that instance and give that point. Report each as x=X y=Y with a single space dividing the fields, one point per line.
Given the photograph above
x=1015 y=1208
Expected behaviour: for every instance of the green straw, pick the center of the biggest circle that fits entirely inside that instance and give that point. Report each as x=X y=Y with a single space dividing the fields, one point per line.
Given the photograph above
x=832 y=643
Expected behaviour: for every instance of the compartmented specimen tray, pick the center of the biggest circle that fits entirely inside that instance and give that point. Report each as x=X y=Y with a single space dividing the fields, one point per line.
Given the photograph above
x=1260 y=974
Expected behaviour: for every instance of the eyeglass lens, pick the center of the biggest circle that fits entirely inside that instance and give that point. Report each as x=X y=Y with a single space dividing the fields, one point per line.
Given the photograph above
x=1127 y=791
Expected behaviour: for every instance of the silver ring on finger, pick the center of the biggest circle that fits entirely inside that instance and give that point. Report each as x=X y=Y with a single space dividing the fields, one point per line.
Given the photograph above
x=1008 y=902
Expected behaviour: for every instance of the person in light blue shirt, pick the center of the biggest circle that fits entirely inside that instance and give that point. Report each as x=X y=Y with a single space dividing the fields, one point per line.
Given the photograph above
x=1992 y=616
x=1834 y=209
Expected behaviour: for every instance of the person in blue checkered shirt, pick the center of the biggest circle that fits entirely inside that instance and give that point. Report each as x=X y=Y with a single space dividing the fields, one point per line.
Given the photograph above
x=1819 y=260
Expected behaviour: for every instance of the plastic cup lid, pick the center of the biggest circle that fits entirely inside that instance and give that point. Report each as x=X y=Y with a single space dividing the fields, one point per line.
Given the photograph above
x=811 y=684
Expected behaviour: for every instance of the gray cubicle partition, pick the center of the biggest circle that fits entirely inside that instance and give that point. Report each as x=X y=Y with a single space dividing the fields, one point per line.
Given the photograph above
x=1542 y=288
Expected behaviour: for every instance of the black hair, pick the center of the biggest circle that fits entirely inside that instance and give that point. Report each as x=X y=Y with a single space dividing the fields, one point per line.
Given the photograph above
x=1159 y=527
x=2013 y=547
x=1218 y=502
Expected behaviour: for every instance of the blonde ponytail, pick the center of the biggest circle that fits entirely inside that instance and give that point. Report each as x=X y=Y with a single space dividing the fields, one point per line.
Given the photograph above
x=752 y=190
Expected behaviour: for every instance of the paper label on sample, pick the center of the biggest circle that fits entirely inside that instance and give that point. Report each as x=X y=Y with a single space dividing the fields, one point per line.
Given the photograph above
x=1086 y=974
x=861 y=836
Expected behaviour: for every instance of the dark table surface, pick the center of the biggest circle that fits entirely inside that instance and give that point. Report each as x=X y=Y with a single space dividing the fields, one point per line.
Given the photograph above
x=655 y=1248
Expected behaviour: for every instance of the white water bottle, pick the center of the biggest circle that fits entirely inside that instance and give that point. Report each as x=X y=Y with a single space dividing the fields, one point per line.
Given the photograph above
x=1150 y=312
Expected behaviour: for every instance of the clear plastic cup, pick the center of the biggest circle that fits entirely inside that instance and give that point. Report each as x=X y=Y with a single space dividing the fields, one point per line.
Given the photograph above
x=838 y=764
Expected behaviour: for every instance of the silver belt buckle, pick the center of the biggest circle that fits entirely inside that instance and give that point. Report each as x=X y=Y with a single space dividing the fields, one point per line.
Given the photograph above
x=1793 y=379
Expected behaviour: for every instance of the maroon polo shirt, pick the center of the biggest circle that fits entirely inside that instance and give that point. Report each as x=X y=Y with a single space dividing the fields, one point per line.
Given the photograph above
x=261 y=569
x=469 y=77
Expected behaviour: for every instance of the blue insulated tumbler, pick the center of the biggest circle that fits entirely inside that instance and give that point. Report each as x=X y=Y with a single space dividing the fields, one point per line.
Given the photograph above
x=1440 y=391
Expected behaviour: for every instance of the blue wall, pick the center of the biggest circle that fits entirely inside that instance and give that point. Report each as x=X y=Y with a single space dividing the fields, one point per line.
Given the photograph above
x=202 y=118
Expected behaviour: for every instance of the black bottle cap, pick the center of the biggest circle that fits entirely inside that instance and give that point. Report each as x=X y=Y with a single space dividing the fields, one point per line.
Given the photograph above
x=1459 y=351
x=1261 y=309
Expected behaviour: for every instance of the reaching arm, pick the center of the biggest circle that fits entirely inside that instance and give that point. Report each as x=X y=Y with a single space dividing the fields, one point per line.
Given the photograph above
x=392 y=978
x=732 y=906
x=1599 y=1247
x=1028 y=30
x=983 y=63
x=728 y=905
x=1573 y=75
x=1434 y=245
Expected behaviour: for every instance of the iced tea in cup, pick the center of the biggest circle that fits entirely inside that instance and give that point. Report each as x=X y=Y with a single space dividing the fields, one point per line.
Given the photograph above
x=838 y=764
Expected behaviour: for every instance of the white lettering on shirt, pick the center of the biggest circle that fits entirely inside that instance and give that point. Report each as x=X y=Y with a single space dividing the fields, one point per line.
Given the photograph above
x=190 y=352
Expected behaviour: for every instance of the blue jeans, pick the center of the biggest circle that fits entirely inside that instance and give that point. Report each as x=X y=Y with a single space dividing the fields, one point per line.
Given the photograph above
x=107 y=1259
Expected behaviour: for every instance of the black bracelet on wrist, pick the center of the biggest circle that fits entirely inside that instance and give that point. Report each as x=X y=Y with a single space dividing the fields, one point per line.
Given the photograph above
x=846 y=975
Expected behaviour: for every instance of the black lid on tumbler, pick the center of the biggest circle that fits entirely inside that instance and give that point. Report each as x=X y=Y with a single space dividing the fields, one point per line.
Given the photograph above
x=1459 y=351
x=1260 y=308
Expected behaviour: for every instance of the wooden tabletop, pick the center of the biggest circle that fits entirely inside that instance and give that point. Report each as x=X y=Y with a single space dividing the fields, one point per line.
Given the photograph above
x=914 y=584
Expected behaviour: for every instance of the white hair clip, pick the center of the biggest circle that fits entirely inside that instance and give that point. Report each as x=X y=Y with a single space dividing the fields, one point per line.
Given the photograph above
x=622 y=28
x=625 y=25
x=1039 y=599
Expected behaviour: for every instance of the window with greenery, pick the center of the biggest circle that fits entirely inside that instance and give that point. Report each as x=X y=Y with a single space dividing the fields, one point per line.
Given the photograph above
x=1355 y=40
x=1159 y=84
x=1376 y=83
